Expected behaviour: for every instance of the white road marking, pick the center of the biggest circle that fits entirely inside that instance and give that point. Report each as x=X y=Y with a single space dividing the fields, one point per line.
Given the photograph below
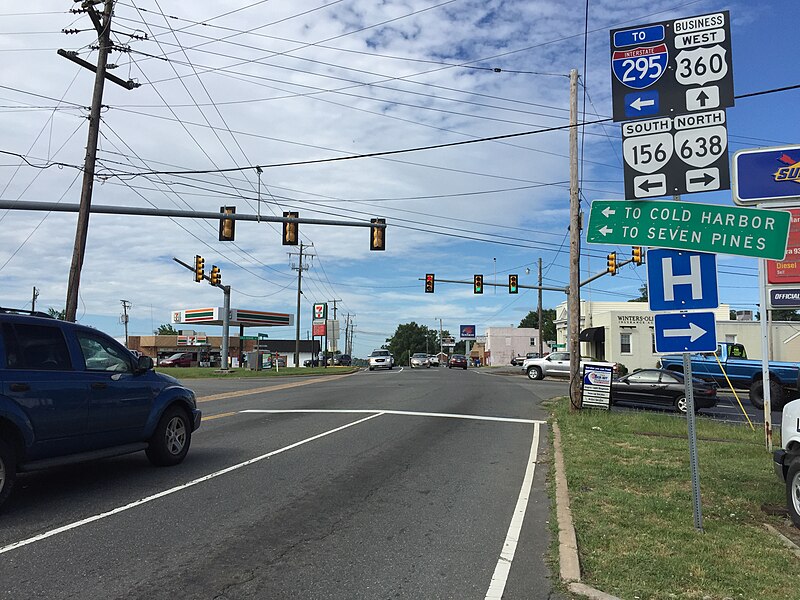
x=395 y=412
x=178 y=488
x=501 y=571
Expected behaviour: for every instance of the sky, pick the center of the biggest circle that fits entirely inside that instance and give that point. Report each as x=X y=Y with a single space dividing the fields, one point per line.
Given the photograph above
x=231 y=85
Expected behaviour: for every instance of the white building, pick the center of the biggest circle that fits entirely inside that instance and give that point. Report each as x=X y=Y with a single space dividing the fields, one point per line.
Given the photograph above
x=504 y=343
x=624 y=332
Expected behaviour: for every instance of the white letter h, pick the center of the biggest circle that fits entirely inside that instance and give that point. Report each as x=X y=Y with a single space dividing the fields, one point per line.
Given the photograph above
x=694 y=278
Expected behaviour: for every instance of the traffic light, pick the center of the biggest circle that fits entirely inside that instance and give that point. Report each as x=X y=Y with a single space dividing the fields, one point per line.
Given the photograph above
x=377 y=235
x=290 y=229
x=612 y=263
x=429 y=282
x=477 y=284
x=199 y=263
x=226 y=226
x=513 y=281
x=637 y=254
x=216 y=276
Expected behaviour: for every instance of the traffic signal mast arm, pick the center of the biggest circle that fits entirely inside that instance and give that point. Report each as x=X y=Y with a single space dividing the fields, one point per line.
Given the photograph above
x=605 y=272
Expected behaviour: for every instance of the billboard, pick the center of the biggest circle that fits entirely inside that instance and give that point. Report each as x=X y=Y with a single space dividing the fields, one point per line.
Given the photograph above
x=467 y=332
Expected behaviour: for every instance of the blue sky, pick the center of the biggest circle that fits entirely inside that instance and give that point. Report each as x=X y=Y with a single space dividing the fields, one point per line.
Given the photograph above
x=269 y=83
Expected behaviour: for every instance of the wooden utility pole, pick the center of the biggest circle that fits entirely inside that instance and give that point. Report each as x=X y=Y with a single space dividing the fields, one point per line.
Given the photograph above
x=102 y=24
x=541 y=342
x=300 y=268
x=574 y=298
x=125 y=306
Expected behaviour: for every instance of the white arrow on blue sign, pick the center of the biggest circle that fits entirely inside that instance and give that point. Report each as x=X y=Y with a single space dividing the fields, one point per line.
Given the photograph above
x=686 y=332
x=681 y=280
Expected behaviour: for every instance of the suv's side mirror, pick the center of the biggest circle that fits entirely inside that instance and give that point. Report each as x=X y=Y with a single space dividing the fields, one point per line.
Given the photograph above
x=143 y=364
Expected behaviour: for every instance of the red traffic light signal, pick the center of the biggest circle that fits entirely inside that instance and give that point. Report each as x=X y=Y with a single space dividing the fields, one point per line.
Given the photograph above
x=430 y=280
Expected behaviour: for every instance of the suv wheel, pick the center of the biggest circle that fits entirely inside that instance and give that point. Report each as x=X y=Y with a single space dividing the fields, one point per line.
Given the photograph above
x=171 y=439
x=793 y=491
x=8 y=470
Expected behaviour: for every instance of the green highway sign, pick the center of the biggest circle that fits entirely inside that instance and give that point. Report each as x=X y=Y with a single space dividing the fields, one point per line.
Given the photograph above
x=248 y=337
x=758 y=233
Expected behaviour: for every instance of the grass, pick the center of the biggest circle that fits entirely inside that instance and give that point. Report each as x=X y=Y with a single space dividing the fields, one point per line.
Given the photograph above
x=630 y=492
x=206 y=372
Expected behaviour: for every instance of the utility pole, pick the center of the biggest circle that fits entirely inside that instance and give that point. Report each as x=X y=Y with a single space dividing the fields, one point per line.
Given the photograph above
x=574 y=298
x=346 y=333
x=103 y=27
x=441 y=346
x=33 y=299
x=541 y=344
x=125 y=306
x=299 y=268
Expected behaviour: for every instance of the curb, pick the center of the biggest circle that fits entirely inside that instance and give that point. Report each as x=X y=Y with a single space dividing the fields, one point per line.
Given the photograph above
x=569 y=564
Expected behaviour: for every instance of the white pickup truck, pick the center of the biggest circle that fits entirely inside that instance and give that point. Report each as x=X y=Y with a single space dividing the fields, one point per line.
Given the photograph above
x=787 y=459
x=554 y=364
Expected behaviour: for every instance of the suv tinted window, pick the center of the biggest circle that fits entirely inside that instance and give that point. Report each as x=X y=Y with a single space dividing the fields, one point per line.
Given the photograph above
x=100 y=354
x=39 y=347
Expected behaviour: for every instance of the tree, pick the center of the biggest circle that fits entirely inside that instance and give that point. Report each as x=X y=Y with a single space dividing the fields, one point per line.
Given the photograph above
x=642 y=294
x=548 y=329
x=166 y=329
x=61 y=315
x=409 y=338
x=785 y=315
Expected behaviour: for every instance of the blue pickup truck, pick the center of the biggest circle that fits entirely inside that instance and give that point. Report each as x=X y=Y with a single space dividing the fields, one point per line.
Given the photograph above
x=742 y=372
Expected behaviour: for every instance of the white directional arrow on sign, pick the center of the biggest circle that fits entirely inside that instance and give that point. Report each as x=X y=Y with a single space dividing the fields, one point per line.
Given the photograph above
x=605 y=230
x=693 y=332
x=639 y=103
x=608 y=211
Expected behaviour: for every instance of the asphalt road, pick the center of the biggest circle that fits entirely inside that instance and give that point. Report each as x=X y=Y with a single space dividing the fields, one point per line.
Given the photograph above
x=420 y=484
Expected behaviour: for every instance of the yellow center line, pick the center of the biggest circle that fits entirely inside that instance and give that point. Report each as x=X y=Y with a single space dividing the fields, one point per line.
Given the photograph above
x=272 y=388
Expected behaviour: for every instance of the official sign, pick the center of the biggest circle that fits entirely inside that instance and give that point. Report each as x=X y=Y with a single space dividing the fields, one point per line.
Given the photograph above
x=758 y=233
x=467 y=332
x=672 y=67
x=784 y=298
x=596 y=391
x=681 y=280
x=679 y=155
x=766 y=175
x=686 y=332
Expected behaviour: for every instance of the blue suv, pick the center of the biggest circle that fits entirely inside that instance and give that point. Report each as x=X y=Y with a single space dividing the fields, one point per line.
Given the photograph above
x=69 y=393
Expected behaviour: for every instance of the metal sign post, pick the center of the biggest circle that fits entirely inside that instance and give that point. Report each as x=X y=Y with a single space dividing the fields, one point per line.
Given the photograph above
x=697 y=508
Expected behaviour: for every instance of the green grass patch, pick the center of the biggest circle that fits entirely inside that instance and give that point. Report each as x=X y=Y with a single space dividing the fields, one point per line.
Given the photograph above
x=207 y=372
x=630 y=492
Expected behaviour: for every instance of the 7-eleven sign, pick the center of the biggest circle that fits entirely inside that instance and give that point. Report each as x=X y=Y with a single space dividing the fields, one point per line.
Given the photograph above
x=320 y=312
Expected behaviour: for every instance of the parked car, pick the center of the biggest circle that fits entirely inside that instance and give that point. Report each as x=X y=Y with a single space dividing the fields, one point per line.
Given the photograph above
x=662 y=388
x=457 y=360
x=381 y=359
x=518 y=360
x=179 y=359
x=555 y=364
x=311 y=362
x=787 y=459
x=420 y=359
x=71 y=393
x=344 y=360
